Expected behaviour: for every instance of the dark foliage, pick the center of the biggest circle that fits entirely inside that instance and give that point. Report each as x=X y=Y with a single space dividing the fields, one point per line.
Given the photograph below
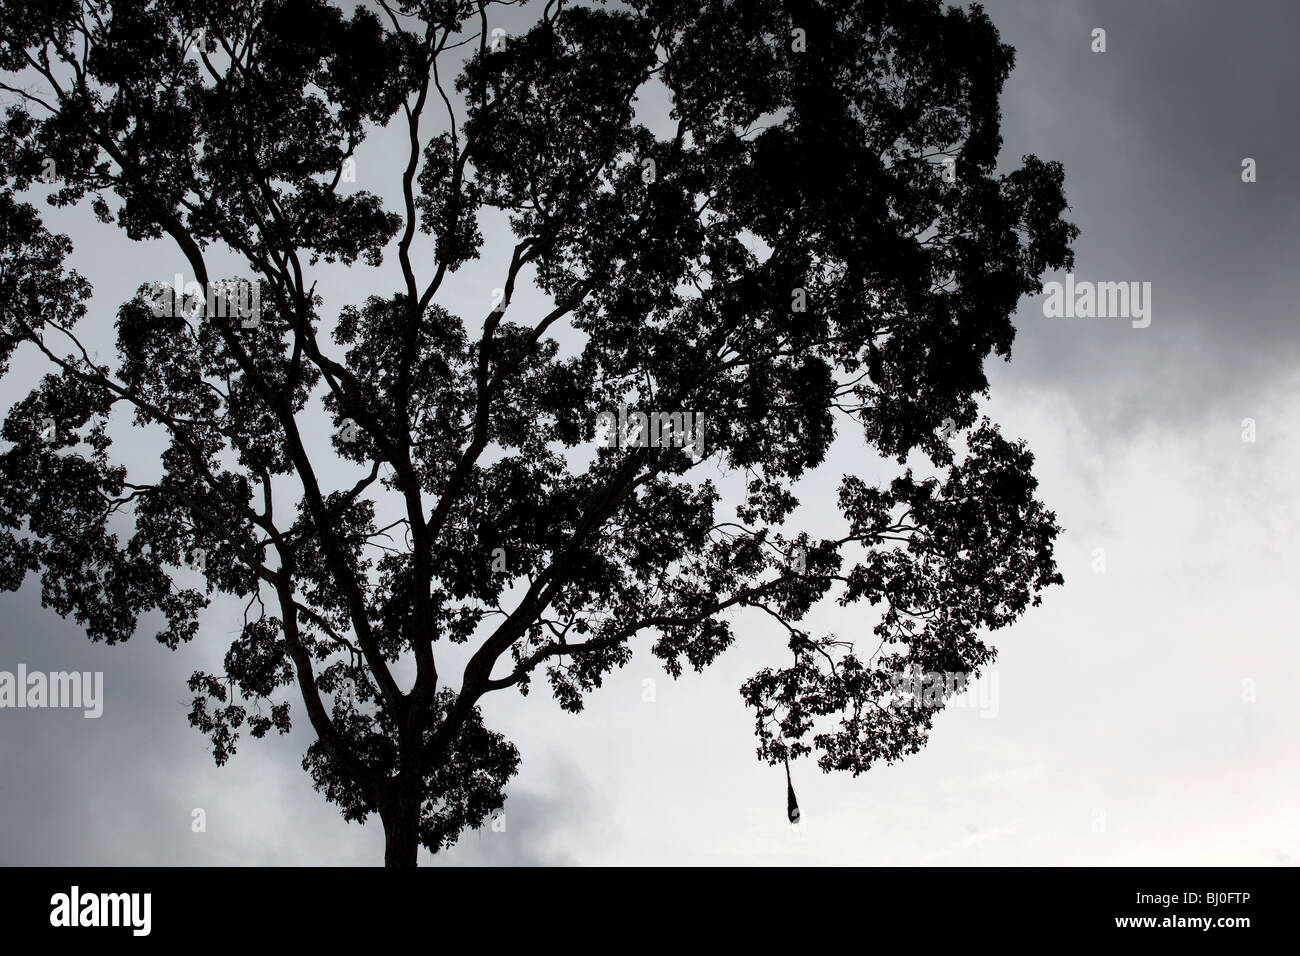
x=822 y=242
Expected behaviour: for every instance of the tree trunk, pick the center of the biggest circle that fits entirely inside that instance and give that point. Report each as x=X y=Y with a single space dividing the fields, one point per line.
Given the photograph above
x=401 y=820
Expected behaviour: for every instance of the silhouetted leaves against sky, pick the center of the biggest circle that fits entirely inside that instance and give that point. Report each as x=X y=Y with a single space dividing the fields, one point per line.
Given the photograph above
x=821 y=243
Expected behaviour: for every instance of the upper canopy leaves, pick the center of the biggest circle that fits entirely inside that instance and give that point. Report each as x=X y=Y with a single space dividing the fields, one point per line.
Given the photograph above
x=817 y=237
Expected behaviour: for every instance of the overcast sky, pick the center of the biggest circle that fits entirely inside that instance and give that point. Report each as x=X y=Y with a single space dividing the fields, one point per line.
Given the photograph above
x=1141 y=715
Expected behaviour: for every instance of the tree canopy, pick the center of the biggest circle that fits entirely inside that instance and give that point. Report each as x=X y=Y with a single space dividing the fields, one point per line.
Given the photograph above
x=820 y=241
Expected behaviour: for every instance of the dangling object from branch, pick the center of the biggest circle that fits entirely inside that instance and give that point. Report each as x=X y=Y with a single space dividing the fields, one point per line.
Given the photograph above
x=791 y=804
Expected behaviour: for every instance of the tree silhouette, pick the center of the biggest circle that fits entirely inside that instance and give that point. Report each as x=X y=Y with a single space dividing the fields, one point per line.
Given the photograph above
x=820 y=239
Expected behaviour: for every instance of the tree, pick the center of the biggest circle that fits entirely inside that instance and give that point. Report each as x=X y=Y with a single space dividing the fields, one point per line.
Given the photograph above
x=820 y=240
